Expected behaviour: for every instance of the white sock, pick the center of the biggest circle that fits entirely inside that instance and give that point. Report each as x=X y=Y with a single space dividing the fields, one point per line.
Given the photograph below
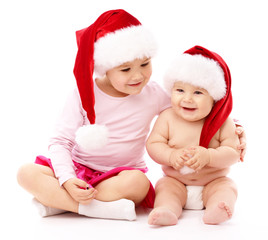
x=120 y=209
x=45 y=211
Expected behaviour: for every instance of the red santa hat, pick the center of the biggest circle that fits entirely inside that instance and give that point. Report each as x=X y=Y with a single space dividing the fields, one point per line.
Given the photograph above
x=114 y=38
x=206 y=69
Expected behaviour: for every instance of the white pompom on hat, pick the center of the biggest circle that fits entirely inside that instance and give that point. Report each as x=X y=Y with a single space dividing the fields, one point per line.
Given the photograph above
x=98 y=136
x=114 y=38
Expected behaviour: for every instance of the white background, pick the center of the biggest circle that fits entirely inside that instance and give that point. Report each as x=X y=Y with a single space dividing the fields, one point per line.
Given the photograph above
x=37 y=54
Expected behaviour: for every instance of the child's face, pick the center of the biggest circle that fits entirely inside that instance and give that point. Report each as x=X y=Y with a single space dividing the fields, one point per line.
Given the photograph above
x=190 y=102
x=130 y=77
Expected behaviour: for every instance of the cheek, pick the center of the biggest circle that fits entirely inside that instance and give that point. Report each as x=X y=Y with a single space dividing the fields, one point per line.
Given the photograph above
x=175 y=102
x=206 y=108
x=174 y=99
x=148 y=72
x=118 y=81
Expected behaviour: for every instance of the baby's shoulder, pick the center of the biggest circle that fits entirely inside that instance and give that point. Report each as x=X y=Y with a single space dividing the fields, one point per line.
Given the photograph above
x=167 y=115
x=227 y=129
x=228 y=125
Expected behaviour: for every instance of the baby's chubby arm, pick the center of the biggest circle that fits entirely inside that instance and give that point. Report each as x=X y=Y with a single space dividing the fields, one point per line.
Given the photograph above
x=197 y=157
x=227 y=153
x=224 y=156
x=157 y=144
x=220 y=157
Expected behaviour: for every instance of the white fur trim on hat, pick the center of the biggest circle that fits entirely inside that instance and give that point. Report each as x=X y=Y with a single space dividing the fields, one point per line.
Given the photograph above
x=122 y=46
x=199 y=71
x=92 y=137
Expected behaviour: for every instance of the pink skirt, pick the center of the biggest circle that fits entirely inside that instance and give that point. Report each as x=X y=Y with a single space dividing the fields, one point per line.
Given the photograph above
x=93 y=177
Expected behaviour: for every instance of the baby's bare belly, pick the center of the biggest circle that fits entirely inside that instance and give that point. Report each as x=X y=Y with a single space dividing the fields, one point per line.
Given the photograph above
x=202 y=178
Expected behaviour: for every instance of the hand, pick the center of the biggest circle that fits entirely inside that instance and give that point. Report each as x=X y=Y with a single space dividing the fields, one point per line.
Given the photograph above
x=78 y=189
x=243 y=143
x=175 y=160
x=196 y=157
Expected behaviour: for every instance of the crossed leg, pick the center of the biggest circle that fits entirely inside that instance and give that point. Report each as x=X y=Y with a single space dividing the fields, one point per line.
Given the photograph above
x=219 y=198
x=170 y=198
x=41 y=182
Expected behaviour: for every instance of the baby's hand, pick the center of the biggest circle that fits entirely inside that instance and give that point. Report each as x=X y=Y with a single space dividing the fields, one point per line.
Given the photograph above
x=79 y=190
x=196 y=157
x=175 y=160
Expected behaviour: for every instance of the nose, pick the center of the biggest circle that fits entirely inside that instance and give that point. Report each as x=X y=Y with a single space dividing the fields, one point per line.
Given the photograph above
x=137 y=76
x=187 y=98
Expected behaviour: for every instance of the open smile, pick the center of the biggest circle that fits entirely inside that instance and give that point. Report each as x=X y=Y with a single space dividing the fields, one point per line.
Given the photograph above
x=189 y=109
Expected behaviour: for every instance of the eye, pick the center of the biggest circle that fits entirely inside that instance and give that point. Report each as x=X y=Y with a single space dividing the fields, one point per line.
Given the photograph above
x=179 y=90
x=198 y=92
x=145 y=64
x=125 y=70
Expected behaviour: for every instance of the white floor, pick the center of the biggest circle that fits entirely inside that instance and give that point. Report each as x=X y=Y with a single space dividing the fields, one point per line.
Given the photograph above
x=72 y=226
x=24 y=223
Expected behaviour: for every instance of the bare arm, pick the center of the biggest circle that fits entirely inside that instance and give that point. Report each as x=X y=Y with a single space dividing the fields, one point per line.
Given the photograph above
x=220 y=157
x=157 y=143
x=227 y=153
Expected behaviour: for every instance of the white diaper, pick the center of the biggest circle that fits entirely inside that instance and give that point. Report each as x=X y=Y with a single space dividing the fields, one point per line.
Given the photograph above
x=194 y=198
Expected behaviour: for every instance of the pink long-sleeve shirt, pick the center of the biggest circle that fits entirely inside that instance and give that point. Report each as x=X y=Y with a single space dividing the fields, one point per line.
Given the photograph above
x=128 y=120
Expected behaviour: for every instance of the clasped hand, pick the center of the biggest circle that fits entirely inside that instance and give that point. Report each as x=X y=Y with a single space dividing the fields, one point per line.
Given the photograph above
x=193 y=157
x=79 y=190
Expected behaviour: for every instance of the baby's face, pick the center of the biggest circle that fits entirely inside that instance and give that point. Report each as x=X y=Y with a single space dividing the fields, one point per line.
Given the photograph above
x=130 y=78
x=190 y=102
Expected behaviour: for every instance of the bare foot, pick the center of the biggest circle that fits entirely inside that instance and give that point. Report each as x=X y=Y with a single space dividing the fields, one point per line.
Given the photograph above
x=163 y=217
x=218 y=214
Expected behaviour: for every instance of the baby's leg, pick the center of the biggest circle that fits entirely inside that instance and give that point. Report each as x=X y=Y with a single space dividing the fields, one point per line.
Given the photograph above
x=219 y=198
x=170 y=198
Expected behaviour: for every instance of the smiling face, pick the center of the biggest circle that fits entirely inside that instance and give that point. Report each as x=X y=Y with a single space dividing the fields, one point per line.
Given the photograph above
x=190 y=102
x=128 y=78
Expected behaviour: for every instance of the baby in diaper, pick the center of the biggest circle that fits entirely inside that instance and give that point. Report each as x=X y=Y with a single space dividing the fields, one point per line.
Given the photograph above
x=195 y=141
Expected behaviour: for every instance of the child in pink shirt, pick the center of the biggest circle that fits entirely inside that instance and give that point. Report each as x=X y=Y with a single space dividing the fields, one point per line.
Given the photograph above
x=82 y=175
x=96 y=166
